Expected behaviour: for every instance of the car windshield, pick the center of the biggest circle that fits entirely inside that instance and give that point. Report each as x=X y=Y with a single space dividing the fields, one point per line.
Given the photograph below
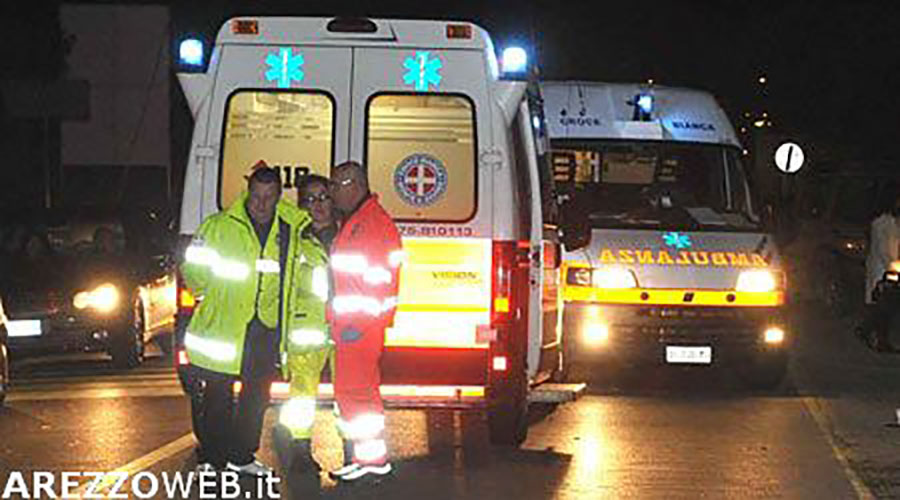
x=651 y=184
x=36 y=241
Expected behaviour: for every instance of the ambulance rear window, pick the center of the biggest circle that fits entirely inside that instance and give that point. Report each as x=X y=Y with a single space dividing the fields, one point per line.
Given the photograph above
x=420 y=152
x=289 y=130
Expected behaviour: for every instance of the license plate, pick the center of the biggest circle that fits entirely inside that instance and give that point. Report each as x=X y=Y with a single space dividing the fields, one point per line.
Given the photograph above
x=691 y=355
x=24 y=328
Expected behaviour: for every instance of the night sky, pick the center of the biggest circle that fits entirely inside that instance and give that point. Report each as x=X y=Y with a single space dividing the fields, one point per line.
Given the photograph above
x=832 y=68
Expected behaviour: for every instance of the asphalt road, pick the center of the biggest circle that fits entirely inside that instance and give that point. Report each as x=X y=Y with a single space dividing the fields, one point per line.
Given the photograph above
x=663 y=433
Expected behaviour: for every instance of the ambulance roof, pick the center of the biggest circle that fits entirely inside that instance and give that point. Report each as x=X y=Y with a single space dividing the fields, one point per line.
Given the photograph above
x=388 y=32
x=597 y=110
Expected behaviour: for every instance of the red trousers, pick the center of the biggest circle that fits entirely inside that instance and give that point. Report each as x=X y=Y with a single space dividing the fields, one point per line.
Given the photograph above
x=356 y=387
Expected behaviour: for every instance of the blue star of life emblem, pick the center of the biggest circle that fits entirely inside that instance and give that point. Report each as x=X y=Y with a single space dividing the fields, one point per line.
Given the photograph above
x=422 y=71
x=677 y=240
x=284 y=67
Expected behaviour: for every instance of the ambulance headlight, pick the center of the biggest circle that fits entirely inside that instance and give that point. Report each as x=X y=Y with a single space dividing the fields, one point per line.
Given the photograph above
x=190 y=52
x=759 y=280
x=104 y=298
x=514 y=60
x=613 y=277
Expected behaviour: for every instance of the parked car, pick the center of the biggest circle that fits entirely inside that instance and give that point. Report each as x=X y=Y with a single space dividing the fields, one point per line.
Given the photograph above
x=88 y=281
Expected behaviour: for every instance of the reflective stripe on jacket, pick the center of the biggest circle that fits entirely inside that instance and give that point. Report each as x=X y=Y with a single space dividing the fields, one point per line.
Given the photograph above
x=365 y=266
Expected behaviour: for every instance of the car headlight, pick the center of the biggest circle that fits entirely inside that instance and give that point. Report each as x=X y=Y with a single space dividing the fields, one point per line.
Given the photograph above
x=104 y=298
x=613 y=277
x=759 y=280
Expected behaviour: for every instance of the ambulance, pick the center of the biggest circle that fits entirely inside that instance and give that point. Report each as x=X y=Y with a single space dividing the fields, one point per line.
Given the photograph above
x=679 y=269
x=455 y=150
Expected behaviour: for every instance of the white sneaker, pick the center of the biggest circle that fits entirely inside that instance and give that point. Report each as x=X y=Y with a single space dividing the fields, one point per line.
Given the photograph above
x=367 y=470
x=205 y=467
x=254 y=468
x=343 y=471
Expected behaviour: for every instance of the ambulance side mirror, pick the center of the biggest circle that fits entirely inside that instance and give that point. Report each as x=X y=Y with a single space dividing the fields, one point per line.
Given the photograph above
x=574 y=228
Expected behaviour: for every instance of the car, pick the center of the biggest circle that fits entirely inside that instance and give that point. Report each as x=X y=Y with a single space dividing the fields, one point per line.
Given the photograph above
x=88 y=280
x=4 y=356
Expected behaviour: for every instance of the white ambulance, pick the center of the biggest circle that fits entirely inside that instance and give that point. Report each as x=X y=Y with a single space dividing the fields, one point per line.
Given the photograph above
x=679 y=269
x=452 y=151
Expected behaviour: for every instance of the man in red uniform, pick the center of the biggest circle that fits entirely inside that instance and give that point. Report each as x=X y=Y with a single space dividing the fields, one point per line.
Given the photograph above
x=365 y=265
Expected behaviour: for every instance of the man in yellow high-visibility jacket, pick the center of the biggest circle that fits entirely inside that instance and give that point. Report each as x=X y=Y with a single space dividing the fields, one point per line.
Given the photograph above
x=243 y=265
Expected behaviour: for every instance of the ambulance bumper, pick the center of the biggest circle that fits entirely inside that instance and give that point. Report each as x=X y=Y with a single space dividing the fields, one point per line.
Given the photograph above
x=660 y=334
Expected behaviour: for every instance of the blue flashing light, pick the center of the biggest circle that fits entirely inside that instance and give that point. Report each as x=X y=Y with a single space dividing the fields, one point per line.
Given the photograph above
x=645 y=102
x=514 y=60
x=190 y=52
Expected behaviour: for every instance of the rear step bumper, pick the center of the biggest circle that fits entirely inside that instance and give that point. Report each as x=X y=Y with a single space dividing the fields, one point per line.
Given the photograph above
x=455 y=397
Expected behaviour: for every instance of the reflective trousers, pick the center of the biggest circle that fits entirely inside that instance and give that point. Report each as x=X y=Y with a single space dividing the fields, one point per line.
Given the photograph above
x=305 y=371
x=357 y=379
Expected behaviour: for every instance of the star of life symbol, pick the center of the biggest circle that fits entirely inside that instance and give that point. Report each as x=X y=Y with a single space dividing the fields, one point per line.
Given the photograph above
x=284 y=67
x=677 y=240
x=422 y=71
x=420 y=180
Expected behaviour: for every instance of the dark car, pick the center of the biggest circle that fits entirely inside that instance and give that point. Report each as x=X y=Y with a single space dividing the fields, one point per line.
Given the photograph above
x=88 y=281
x=4 y=356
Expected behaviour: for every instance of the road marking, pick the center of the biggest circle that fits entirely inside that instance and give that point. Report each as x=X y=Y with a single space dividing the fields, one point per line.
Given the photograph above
x=814 y=407
x=143 y=463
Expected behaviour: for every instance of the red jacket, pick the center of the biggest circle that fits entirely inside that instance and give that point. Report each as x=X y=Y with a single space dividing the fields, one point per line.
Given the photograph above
x=365 y=265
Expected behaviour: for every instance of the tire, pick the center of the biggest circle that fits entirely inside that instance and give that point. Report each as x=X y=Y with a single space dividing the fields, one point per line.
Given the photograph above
x=507 y=412
x=765 y=373
x=166 y=343
x=127 y=345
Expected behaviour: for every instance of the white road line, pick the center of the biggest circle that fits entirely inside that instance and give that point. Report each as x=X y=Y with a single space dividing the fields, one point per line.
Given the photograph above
x=143 y=463
x=814 y=407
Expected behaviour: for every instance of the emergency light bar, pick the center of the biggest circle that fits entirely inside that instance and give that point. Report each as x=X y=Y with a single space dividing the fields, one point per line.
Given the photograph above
x=514 y=61
x=643 y=107
x=190 y=52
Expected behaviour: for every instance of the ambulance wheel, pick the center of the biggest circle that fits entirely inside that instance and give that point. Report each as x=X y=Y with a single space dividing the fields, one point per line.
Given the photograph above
x=127 y=345
x=765 y=373
x=507 y=413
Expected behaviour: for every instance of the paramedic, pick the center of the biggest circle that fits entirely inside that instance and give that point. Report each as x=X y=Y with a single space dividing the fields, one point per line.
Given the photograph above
x=237 y=263
x=365 y=263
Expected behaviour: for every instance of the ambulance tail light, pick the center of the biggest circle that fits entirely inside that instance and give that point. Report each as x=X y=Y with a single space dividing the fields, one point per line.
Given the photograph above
x=509 y=257
x=181 y=358
x=245 y=27
x=459 y=31
x=184 y=299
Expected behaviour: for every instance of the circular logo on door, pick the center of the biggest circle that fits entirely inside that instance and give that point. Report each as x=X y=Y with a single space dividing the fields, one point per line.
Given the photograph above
x=420 y=180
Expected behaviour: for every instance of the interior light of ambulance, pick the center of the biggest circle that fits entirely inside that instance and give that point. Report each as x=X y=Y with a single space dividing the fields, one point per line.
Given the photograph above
x=245 y=27
x=499 y=363
x=459 y=31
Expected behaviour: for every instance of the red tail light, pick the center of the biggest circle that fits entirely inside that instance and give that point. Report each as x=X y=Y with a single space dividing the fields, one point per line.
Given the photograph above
x=509 y=262
x=185 y=300
x=182 y=358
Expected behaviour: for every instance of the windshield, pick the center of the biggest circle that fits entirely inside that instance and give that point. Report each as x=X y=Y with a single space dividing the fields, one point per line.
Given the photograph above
x=654 y=184
x=33 y=242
